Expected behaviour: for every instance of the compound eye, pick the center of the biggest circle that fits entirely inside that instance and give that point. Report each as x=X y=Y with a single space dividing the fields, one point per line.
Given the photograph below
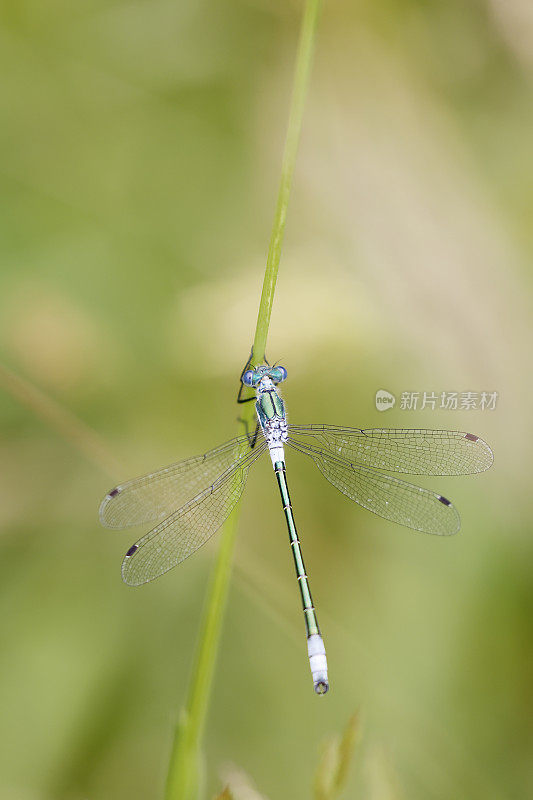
x=247 y=378
x=278 y=374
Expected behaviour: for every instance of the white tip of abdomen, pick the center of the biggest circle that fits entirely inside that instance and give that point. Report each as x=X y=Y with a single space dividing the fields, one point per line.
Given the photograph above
x=318 y=663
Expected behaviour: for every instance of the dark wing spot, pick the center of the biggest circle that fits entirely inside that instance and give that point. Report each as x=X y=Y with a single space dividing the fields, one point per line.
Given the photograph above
x=132 y=549
x=114 y=492
x=445 y=501
x=471 y=437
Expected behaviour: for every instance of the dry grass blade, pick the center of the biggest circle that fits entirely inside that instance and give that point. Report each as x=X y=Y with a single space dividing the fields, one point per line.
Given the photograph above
x=326 y=770
x=347 y=746
x=381 y=777
x=332 y=772
x=225 y=794
x=60 y=419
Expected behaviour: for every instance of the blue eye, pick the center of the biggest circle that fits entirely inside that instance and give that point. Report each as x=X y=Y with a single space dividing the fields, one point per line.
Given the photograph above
x=278 y=374
x=248 y=377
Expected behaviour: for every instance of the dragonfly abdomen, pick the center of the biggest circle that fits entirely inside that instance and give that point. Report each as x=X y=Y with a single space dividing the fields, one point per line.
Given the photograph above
x=315 y=643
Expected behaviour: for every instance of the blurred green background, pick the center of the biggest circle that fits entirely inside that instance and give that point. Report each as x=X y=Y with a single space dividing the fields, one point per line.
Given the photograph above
x=140 y=152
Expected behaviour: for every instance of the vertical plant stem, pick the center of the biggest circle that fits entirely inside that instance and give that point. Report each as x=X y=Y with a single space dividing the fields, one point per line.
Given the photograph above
x=184 y=775
x=299 y=93
x=184 y=781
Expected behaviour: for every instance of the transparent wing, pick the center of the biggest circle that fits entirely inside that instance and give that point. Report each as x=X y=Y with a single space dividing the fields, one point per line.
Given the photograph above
x=188 y=528
x=416 y=452
x=153 y=497
x=385 y=495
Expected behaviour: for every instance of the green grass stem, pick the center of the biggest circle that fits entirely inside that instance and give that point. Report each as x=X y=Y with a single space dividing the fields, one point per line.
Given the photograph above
x=185 y=769
x=294 y=127
x=184 y=774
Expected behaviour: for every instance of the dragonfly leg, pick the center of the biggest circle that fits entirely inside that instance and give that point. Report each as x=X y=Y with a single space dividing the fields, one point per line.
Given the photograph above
x=252 y=437
x=244 y=399
x=240 y=398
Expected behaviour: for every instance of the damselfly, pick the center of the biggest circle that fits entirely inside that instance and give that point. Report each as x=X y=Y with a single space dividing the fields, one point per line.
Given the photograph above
x=190 y=500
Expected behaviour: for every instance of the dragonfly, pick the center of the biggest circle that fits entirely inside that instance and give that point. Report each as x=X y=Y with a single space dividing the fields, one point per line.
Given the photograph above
x=189 y=501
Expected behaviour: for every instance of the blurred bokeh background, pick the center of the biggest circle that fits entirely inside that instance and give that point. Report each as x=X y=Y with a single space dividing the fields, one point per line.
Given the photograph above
x=139 y=160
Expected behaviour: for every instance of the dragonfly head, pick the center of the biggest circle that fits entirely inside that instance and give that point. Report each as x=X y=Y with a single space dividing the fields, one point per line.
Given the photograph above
x=253 y=376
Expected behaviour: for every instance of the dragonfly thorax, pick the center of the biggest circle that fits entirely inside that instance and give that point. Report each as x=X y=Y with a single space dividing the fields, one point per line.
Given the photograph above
x=271 y=415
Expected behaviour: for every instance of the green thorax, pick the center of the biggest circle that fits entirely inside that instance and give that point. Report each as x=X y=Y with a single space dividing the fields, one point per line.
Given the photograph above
x=269 y=407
